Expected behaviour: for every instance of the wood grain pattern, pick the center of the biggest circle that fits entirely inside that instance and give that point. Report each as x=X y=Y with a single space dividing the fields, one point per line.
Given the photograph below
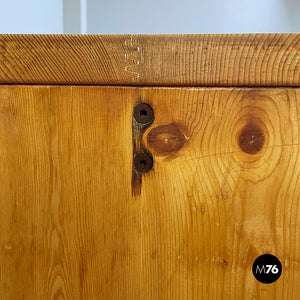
x=163 y=60
x=223 y=190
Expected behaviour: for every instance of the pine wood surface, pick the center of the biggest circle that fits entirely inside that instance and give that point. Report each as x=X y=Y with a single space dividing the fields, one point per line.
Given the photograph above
x=223 y=190
x=163 y=60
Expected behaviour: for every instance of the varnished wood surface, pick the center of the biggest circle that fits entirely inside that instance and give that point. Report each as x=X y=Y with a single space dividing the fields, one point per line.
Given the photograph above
x=164 y=60
x=224 y=189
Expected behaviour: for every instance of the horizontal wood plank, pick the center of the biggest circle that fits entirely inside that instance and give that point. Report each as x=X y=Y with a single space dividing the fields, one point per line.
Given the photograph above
x=158 y=60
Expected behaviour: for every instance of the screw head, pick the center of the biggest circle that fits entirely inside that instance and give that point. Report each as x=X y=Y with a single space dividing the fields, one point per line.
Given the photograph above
x=143 y=113
x=143 y=162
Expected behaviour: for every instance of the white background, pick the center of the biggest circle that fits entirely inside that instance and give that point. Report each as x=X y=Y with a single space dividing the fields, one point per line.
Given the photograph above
x=152 y=16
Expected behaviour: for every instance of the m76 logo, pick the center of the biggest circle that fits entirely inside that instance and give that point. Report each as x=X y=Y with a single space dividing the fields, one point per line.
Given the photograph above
x=266 y=269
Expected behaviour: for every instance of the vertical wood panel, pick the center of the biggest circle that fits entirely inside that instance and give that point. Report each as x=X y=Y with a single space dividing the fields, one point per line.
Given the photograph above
x=94 y=145
x=69 y=227
x=24 y=191
x=212 y=207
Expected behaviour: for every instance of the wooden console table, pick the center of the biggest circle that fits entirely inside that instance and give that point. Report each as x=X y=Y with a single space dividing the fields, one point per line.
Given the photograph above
x=148 y=166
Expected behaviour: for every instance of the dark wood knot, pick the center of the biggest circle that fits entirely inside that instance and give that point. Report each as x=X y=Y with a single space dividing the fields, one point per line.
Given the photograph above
x=166 y=139
x=252 y=138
